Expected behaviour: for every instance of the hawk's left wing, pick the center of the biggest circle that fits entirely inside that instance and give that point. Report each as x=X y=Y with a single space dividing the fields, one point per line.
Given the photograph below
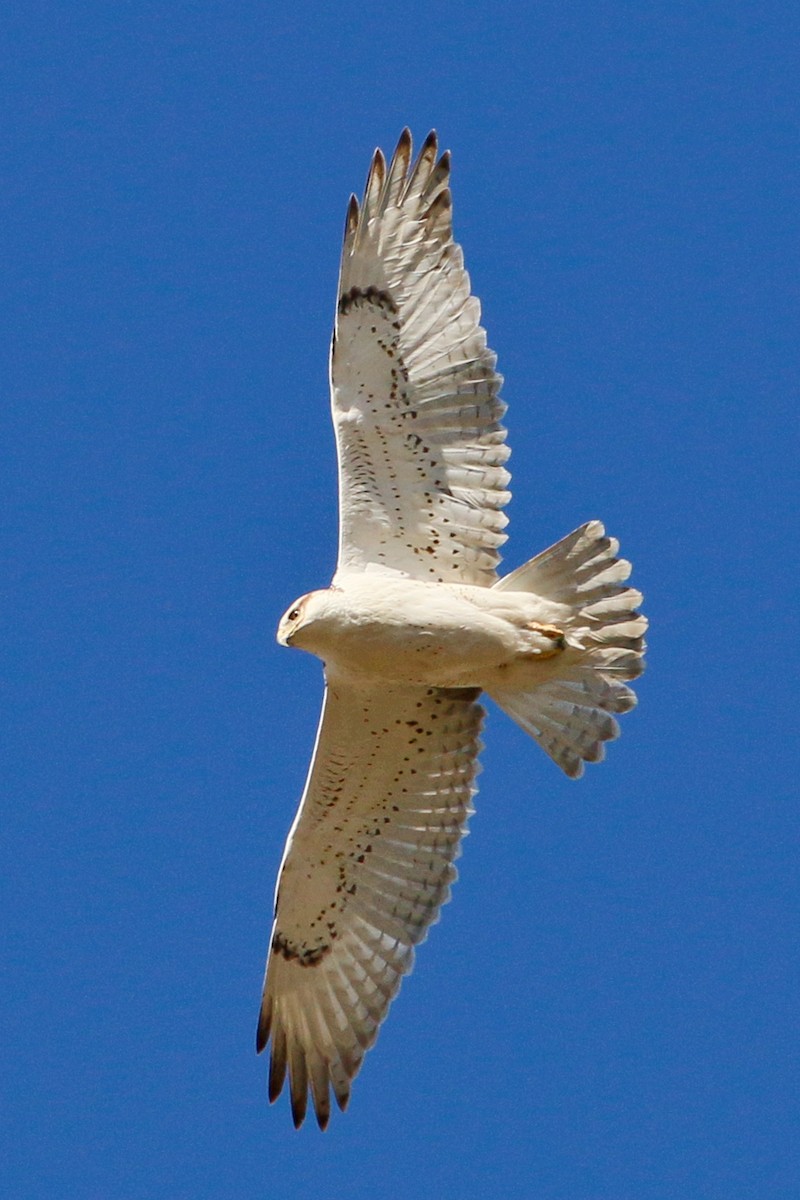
x=367 y=866
x=415 y=394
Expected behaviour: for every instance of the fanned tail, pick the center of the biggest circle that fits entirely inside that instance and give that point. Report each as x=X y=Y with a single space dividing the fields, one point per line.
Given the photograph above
x=569 y=712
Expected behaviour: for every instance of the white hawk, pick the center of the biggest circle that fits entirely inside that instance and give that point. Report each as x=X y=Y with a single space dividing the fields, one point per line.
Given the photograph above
x=414 y=626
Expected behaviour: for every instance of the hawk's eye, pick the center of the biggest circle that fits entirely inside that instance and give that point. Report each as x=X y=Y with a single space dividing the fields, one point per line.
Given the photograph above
x=294 y=614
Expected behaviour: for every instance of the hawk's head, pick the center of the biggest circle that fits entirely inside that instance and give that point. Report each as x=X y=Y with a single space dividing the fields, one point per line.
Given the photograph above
x=310 y=610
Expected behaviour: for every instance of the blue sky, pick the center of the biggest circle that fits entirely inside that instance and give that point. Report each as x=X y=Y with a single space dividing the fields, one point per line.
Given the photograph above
x=608 y=1007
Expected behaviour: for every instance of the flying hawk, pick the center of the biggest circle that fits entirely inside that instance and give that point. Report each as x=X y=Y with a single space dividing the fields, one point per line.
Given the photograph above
x=415 y=625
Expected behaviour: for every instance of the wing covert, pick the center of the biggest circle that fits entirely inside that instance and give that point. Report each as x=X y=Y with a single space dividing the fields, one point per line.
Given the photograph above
x=414 y=391
x=367 y=865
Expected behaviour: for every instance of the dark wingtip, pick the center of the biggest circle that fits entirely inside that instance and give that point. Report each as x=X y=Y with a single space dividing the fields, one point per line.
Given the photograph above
x=323 y=1117
x=262 y=1032
x=277 y=1069
x=351 y=220
x=299 y=1110
x=430 y=141
x=377 y=169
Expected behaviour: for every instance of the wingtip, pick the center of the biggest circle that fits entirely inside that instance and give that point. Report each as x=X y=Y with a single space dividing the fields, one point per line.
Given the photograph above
x=377 y=170
x=264 y=1024
x=374 y=184
x=323 y=1116
x=277 y=1074
x=351 y=220
x=299 y=1104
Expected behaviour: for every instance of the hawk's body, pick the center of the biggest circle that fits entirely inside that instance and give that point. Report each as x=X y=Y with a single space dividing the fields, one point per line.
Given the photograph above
x=415 y=625
x=416 y=632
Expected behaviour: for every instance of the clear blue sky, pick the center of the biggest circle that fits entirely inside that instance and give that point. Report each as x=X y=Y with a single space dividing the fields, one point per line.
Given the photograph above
x=608 y=1007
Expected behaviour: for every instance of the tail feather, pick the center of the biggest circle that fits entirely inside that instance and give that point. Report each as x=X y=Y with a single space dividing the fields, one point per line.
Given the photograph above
x=583 y=561
x=607 y=694
x=568 y=713
x=570 y=733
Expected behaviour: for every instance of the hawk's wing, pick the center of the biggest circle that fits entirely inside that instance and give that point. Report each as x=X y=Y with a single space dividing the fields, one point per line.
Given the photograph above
x=367 y=865
x=414 y=391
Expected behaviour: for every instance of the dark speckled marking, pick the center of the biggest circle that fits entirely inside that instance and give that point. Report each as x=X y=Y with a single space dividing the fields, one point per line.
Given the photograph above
x=370 y=295
x=306 y=956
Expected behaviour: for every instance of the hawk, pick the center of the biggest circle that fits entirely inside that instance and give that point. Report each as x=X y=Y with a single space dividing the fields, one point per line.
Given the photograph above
x=414 y=626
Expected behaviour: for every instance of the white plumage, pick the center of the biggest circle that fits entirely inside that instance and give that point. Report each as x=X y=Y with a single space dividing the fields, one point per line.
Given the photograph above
x=414 y=626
